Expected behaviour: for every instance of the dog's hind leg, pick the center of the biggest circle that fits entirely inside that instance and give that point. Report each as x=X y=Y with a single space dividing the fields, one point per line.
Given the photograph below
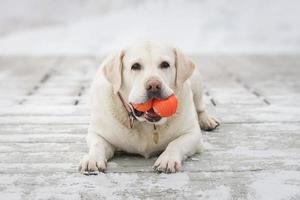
x=206 y=121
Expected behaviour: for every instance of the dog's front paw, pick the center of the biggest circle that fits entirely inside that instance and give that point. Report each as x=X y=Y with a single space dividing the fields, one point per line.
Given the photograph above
x=207 y=123
x=90 y=165
x=167 y=163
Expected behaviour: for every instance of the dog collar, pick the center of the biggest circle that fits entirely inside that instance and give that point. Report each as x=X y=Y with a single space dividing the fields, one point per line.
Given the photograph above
x=128 y=109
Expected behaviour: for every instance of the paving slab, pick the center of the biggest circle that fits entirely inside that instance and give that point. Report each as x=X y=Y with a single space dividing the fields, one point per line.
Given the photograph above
x=254 y=154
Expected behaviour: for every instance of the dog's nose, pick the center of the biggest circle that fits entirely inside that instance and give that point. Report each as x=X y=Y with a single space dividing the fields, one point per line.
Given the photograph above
x=153 y=85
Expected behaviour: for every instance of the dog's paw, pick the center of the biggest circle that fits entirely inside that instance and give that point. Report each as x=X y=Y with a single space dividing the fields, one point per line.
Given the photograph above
x=167 y=163
x=207 y=123
x=92 y=166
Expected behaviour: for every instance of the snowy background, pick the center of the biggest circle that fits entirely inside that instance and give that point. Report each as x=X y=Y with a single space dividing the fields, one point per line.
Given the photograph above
x=91 y=27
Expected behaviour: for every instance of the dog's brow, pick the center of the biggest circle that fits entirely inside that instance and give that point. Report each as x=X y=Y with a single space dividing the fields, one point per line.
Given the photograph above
x=135 y=60
x=165 y=58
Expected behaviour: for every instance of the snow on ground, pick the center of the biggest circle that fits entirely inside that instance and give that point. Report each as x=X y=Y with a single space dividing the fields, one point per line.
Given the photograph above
x=219 y=26
x=275 y=186
x=220 y=193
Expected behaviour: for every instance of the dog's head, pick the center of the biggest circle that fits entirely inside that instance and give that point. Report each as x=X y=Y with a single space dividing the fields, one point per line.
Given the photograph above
x=148 y=71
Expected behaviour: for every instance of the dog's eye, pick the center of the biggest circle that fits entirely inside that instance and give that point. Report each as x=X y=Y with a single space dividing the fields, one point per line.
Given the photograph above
x=164 y=65
x=136 y=66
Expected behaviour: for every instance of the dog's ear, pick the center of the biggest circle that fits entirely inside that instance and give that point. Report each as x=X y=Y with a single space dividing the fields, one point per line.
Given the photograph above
x=184 y=67
x=112 y=70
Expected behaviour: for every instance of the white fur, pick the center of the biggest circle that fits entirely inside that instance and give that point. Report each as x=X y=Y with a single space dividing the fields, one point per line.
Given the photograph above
x=179 y=135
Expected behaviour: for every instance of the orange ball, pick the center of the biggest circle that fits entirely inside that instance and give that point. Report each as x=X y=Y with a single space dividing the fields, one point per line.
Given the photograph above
x=166 y=107
x=143 y=107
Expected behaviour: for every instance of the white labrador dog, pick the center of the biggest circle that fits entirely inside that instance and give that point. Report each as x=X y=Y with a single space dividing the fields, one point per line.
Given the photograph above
x=139 y=73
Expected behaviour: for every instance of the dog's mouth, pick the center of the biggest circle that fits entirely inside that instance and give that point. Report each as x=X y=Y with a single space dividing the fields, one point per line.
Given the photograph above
x=149 y=115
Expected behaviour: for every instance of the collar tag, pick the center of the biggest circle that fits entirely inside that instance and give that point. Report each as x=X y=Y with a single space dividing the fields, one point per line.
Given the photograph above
x=155 y=137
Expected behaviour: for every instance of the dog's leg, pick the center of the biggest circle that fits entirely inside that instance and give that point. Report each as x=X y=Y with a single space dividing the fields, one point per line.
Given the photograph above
x=206 y=121
x=99 y=152
x=170 y=160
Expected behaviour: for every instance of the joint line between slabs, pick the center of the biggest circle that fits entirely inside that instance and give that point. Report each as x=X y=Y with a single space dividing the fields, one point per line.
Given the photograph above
x=246 y=86
x=42 y=81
